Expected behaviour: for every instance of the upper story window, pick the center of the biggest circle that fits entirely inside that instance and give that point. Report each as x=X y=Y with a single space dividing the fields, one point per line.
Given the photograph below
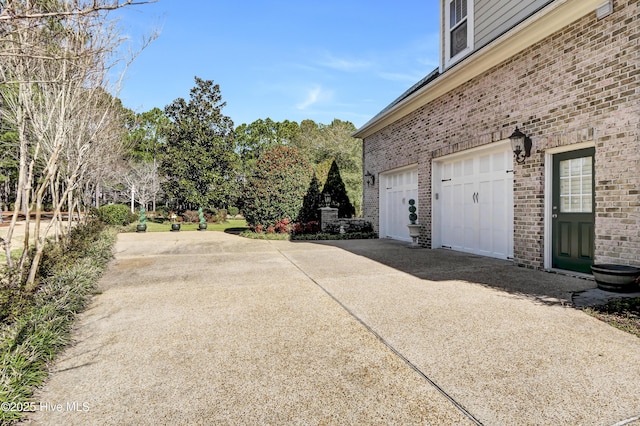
x=459 y=29
x=458 y=26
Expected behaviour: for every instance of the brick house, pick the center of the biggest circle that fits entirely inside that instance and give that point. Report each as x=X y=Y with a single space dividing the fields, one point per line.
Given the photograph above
x=566 y=74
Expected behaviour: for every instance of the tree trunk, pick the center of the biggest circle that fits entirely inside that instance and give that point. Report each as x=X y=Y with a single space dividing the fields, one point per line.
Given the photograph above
x=38 y=241
x=133 y=192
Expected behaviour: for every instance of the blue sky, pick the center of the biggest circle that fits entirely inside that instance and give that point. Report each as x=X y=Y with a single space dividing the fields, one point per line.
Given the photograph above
x=282 y=59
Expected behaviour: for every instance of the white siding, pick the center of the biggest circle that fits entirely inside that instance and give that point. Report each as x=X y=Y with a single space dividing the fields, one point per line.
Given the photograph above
x=494 y=17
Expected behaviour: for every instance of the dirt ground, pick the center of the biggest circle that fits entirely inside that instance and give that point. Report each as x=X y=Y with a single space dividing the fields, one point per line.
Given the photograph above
x=17 y=239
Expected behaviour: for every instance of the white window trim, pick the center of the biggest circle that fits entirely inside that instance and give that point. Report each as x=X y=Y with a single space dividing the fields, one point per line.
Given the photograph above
x=448 y=61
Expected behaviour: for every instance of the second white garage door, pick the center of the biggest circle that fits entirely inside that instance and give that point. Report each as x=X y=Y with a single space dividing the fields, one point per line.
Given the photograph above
x=397 y=187
x=473 y=202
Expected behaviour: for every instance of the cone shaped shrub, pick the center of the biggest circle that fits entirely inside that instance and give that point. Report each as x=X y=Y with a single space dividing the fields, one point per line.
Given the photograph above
x=334 y=186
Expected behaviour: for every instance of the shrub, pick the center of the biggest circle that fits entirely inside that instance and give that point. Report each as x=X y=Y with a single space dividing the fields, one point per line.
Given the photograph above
x=348 y=226
x=190 y=216
x=277 y=188
x=327 y=236
x=283 y=226
x=116 y=214
x=220 y=216
x=312 y=227
x=233 y=211
x=32 y=338
x=334 y=186
x=70 y=248
x=311 y=203
x=264 y=236
x=161 y=212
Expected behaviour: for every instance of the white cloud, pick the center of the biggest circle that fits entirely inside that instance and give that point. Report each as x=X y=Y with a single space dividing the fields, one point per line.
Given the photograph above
x=315 y=95
x=402 y=77
x=343 y=64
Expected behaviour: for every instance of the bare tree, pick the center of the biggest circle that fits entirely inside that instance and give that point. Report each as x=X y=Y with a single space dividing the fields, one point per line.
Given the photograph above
x=144 y=179
x=55 y=59
x=11 y=10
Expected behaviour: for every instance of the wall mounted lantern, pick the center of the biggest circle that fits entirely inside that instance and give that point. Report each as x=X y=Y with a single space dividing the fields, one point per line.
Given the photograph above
x=521 y=145
x=327 y=199
x=371 y=179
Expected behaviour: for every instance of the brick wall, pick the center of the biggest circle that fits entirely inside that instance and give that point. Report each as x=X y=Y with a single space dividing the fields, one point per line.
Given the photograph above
x=578 y=85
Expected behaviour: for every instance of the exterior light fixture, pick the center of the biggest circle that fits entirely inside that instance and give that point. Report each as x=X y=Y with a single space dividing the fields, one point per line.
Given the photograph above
x=371 y=179
x=327 y=199
x=521 y=145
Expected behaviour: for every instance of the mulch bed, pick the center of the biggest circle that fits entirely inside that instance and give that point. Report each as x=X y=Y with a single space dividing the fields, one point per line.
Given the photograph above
x=623 y=314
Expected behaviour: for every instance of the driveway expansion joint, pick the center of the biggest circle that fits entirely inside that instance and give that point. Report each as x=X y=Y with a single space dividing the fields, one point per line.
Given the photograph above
x=404 y=359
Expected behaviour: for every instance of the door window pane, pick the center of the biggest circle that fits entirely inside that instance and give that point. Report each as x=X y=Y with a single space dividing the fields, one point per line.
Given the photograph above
x=575 y=185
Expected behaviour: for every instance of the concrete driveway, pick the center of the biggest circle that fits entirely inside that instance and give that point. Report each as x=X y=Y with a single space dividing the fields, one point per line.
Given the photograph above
x=209 y=328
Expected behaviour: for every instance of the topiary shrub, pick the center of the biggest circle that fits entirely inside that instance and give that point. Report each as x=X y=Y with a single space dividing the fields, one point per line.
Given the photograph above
x=116 y=214
x=277 y=188
x=334 y=186
x=311 y=203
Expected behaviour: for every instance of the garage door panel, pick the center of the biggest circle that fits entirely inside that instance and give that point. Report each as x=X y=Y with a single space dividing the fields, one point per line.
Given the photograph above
x=470 y=219
x=397 y=189
x=457 y=214
x=476 y=211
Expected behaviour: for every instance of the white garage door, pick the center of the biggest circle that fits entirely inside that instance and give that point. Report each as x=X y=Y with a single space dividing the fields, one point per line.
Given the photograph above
x=473 y=202
x=397 y=188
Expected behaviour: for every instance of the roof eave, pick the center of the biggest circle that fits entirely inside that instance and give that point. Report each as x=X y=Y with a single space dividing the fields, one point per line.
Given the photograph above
x=540 y=25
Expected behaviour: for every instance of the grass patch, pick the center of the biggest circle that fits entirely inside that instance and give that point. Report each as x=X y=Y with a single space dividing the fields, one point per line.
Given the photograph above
x=39 y=326
x=15 y=255
x=165 y=226
x=264 y=236
x=623 y=314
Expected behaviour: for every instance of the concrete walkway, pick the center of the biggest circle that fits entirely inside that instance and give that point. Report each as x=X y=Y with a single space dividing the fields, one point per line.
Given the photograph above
x=209 y=328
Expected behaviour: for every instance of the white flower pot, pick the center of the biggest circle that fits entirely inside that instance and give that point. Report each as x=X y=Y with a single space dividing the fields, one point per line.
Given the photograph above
x=414 y=233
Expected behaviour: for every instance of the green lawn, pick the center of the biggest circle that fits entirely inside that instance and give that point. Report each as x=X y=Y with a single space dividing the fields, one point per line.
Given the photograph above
x=231 y=224
x=15 y=255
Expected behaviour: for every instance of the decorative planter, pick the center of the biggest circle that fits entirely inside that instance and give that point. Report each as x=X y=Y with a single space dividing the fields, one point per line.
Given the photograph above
x=414 y=233
x=175 y=227
x=414 y=228
x=616 y=277
x=141 y=227
x=202 y=226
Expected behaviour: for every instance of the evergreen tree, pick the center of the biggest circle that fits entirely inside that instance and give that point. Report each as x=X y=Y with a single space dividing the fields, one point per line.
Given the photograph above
x=311 y=203
x=334 y=186
x=198 y=157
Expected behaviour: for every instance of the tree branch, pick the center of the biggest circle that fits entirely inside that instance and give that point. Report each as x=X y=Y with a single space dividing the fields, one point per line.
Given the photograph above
x=8 y=15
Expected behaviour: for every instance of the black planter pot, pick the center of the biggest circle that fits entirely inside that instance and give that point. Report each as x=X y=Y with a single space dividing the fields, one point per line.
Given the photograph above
x=141 y=227
x=175 y=227
x=202 y=226
x=620 y=278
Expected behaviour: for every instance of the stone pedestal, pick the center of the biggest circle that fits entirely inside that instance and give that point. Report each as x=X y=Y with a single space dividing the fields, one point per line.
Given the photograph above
x=327 y=214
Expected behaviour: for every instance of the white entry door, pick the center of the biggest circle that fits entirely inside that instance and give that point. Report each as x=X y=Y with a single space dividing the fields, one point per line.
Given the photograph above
x=473 y=202
x=397 y=188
